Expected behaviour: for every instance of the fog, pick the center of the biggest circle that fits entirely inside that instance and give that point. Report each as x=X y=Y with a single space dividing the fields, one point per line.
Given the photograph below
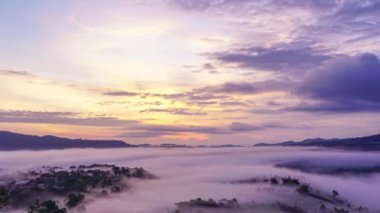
x=188 y=173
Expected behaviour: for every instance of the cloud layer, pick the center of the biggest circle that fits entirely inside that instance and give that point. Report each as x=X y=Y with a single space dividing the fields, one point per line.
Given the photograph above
x=206 y=173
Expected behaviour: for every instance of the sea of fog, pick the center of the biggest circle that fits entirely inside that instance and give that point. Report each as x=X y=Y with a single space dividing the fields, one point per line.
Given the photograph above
x=188 y=173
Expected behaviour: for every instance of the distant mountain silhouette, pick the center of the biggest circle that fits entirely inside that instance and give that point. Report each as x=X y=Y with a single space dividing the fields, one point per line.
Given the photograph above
x=15 y=141
x=363 y=143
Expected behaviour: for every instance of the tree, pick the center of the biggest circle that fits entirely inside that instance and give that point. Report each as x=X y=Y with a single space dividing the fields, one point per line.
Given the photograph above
x=74 y=199
x=274 y=180
x=335 y=193
x=3 y=197
x=48 y=206
x=304 y=188
x=322 y=208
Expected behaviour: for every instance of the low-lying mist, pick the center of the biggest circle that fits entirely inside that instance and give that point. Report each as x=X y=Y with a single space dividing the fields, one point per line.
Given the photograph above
x=188 y=173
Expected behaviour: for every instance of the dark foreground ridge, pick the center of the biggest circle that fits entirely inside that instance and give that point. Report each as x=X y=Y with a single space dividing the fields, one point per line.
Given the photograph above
x=15 y=141
x=360 y=143
x=57 y=190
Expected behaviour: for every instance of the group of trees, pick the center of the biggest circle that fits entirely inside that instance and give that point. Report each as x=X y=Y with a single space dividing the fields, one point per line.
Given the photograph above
x=71 y=185
x=48 y=206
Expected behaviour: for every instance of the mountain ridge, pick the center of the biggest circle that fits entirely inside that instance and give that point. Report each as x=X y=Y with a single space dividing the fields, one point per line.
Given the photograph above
x=371 y=142
x=16 y=141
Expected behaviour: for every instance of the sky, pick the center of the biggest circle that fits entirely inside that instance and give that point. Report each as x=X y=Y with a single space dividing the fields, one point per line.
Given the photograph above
x=190 y=71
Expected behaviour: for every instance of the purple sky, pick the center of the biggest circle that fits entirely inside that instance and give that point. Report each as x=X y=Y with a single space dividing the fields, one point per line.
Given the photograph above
x=191 y=71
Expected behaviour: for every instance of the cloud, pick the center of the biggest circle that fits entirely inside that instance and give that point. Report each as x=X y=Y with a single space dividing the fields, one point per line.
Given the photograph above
x=204 y=173
x=243 y=127
x=151 y=103
x=152 y=131
x=120 y=93
x=346 y=84
x=145 y=134
x=278 y=58
x=174 y=111
x=204 y=103
x=307 y=4
x=192 y=4
x=354 y=9
x=190 y=95
x=148 y=131
x=345 y=24
x=209 y=94
x=258 y=4
x=194 y=95
x=331 y=107
x=324 y=27
x=234 y=103
x=247 y=87
x=181 y=129
x=207 y=67
x=232 y=87
x=69 y=118
x=16 y=73
x=108 y=103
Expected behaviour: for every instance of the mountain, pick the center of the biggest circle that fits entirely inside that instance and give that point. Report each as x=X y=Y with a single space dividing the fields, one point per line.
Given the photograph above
x=363 y=143
x=15 y=141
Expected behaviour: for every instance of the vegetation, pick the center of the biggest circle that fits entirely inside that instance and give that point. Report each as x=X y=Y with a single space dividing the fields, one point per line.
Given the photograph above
x=46 y=207
x=226 y=205
x=335 y=193
x=336 y=210
x=290 y=181
x=211 y=203
x=322 y=208
x=74 y=199
x=304 y=188
x=274 y=180
x=71 y=184
x=289 y=209
x=3 y=197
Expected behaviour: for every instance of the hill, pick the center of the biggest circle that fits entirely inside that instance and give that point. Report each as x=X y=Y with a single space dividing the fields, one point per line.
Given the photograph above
x=15 y=141
x=363 y=143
